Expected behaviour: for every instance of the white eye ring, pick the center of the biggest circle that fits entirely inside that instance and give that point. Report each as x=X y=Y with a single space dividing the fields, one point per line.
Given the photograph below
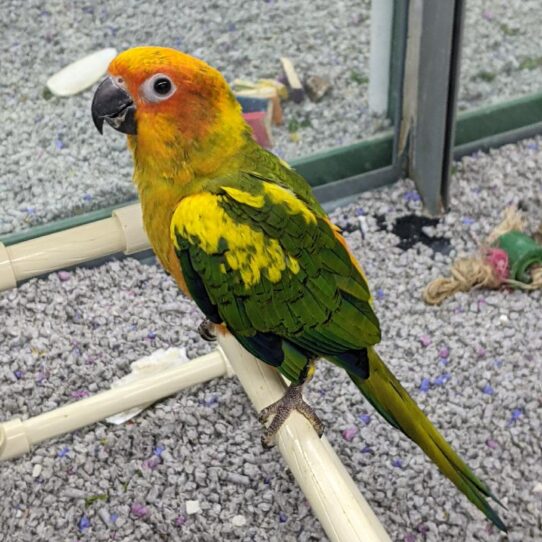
x=119 y=81
x=158 y=88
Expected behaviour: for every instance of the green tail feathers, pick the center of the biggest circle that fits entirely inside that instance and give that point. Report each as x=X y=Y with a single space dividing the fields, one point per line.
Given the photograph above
x=392 y=401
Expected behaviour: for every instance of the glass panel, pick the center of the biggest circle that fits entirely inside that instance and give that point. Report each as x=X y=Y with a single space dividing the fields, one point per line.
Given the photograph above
x=53 y=162
x=502 y=55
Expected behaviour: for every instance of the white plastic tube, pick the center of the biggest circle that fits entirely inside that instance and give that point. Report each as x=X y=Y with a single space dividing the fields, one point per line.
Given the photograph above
x=123 y=232
x=17 y=437
x=344 y=514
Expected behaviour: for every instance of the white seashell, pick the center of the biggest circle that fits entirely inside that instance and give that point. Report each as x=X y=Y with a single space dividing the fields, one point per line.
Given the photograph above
x=82 y=73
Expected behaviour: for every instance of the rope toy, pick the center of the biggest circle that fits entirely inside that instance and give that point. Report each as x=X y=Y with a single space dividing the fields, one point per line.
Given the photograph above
x=508 y=257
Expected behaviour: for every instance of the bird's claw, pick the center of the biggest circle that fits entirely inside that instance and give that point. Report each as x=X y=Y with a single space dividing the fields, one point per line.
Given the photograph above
x=265 y=414
x=267 y=441
x=206 y=330
x=281 y=410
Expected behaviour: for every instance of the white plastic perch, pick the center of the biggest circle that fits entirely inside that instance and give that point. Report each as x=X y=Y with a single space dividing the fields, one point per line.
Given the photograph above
x=334 y=497
x=123 y=232
x=17 y=437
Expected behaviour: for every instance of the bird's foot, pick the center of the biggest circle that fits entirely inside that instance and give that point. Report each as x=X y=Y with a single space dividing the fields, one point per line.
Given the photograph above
x=281 y=409
x=207 y=331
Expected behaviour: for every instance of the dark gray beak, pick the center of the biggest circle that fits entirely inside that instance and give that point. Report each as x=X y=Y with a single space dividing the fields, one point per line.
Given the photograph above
x=114 y=105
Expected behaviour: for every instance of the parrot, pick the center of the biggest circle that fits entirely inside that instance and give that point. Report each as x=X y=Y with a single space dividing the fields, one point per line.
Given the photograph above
x=242 y=234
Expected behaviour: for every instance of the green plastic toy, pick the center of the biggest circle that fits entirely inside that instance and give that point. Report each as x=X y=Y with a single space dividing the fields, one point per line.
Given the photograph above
x=523 y=252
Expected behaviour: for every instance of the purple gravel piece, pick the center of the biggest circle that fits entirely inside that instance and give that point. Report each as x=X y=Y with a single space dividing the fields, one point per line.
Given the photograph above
x=152 y=463
x=425 y=384
x=488 y=390
x=64 y=275
x=365 y=418
x=425 y=341
x=79 y=394
x=210 y=401
x=63 y=452
x=444 y=352
x=412 y=195
x=516 y=415
x=397 y=463
x=422 y=528
x=139 y=510
x=493 y=444
x=442 y=379
x=349 y=433
x=84 y=523
x=180 y=521
x=282 y=517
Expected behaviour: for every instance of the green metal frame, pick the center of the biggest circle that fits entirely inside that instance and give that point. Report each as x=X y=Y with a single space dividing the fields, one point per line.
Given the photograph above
x=343 y=162
x=495 y=125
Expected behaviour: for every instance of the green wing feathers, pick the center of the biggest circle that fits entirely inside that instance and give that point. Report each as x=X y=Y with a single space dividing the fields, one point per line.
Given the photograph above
x=272 y=267
x=393 y=402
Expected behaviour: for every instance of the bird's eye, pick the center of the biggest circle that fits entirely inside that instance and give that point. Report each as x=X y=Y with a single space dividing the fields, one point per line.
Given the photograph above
x=158 y=88
x=162 y=86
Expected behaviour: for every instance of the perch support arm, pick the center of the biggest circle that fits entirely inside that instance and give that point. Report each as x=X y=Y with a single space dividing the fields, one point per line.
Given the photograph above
x=17 y=437
x=334 y=497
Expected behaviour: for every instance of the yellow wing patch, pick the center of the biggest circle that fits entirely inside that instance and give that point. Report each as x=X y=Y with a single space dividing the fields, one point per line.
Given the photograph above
x=279 y=195
x=247 y=198
x=201 y=219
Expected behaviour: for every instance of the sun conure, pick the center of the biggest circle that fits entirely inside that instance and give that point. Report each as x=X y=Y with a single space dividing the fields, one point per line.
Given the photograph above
x=243 y=235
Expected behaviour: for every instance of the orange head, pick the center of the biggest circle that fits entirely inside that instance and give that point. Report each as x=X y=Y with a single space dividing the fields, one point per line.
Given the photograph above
x=177 y=110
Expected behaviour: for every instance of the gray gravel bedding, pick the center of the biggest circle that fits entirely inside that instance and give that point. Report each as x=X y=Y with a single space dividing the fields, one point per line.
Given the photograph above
x=473 y=364
x=53 y=163
x=501 y=56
